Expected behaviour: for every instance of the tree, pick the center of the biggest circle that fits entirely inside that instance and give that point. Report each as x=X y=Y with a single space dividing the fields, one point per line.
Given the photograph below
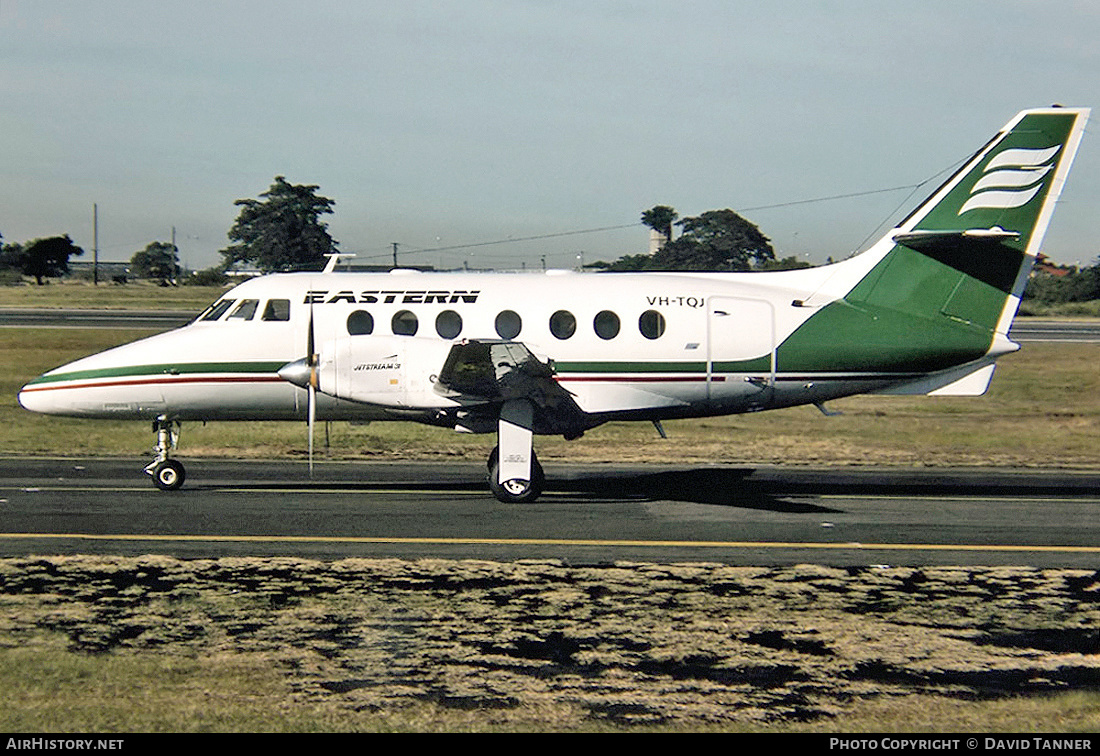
x=214 y=276
x=11 y=262
x=627 y=263
x=158 y=260
x=48 y=258
x=11 y=265
x=1073 y=285
x=787 y=263
x=283 y=231
x=660 y=218
x=715 y=240
x=10 y=255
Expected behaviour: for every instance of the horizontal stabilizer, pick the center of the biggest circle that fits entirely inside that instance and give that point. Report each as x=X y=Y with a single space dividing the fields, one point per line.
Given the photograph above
x=921 y=240
x=981 y=253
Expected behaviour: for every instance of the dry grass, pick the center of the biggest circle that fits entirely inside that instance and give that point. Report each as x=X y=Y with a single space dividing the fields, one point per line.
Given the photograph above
x=159 y=644
x=1043 y=410
x=140 y=295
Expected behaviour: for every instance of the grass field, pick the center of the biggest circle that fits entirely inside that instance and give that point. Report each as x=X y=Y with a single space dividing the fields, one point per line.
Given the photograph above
x=1043 y=410
x=71 y=692
x=134 y=296
x=156 y=644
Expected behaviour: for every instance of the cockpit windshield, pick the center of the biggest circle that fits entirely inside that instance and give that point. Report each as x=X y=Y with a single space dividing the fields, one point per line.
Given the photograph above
x=274 y=310
x=217 y=309
x=245 y=310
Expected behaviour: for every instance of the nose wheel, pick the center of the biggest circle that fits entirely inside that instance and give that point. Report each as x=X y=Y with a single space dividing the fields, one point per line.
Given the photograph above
x=168 y=474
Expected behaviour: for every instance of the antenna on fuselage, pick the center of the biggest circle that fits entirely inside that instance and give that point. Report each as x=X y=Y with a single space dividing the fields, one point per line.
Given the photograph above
x=334 y=259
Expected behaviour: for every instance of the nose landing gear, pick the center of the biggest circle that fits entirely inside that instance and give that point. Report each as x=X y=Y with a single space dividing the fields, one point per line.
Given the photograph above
x=168 y=474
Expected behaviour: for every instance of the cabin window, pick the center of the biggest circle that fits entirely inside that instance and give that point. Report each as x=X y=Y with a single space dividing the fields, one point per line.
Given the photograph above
x=218 y=309
x=245 y=310
x=404 y=323
x=508 y=324
x=448 y=324
x=277 y=310
x=651 y=324
x=606 y=324
x=360 y=323
x=562 y=324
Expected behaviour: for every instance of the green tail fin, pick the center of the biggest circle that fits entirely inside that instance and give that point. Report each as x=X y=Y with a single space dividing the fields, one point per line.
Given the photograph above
x=944 y=285
x=980 y=232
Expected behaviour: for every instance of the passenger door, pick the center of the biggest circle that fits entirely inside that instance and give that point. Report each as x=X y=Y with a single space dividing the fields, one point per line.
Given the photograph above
x=740 y=350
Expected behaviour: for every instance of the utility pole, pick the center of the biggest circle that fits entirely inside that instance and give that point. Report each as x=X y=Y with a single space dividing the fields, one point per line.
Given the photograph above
x=95 y=244
x=395 y=254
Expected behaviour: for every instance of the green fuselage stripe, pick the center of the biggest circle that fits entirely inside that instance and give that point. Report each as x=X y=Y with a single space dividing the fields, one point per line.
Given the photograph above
x=190 y=368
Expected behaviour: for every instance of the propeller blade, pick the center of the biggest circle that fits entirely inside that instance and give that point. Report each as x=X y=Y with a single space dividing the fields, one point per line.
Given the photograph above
x=311 y=390
x=309 y=340
x=312 y=411
x=305 y=373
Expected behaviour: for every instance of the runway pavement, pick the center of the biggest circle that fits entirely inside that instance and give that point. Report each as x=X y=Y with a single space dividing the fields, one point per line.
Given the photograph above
x=589 y=514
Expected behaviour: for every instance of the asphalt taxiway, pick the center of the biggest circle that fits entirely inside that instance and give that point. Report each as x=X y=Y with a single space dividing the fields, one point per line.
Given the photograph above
x=589 y=514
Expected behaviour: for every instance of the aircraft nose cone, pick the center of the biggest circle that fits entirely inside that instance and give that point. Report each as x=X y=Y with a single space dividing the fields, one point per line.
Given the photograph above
x=37 y=399
x=296 y=372
x=27 y=401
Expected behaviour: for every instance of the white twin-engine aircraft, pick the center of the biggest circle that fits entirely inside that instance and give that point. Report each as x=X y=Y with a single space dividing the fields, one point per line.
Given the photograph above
x=926 y=310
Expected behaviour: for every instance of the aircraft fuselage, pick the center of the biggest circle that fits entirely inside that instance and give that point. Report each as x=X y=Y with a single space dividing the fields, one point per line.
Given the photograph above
x=626 y=345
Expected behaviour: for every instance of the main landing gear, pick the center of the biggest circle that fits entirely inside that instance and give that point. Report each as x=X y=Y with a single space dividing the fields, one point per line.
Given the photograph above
x=515 y=475
x=168 y=474
x=515 y=490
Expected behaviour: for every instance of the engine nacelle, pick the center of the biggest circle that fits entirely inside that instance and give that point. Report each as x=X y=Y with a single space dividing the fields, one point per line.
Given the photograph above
x=392 y=371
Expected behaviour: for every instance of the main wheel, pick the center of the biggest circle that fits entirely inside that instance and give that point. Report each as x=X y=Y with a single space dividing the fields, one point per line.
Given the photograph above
x=168 y=475
x=516 y=491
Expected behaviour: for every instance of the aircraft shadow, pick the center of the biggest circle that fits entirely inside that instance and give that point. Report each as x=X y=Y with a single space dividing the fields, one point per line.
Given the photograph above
x=729 y=487
x=771 y=489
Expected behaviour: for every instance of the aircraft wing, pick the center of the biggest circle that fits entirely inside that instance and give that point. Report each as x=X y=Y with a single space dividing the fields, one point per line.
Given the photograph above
x=484 y=371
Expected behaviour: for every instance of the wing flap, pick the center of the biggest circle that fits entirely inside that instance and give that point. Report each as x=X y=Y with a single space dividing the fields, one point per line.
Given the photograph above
x=485 y=371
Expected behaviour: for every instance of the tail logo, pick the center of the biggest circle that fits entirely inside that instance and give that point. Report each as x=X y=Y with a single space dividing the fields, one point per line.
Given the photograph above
x=1011 y=179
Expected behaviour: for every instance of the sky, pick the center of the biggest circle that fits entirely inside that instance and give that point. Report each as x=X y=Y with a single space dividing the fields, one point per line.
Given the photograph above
x=515 y=133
